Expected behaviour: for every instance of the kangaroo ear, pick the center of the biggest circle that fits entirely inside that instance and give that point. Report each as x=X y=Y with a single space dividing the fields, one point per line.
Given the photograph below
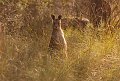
x=53 y=17
x=59 y=17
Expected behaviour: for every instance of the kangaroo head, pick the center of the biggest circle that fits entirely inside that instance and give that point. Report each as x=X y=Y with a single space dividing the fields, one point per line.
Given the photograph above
x=56 y=22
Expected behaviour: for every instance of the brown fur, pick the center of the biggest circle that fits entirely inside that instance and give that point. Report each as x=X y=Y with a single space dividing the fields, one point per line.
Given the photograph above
x=57 y=45
x=76 y=23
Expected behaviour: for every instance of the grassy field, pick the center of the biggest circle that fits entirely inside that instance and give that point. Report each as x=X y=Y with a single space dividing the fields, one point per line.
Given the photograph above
x=93 y=55
x=90 y=58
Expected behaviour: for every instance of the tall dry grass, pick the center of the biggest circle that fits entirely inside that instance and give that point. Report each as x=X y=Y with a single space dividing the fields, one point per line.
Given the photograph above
x=91 y=58
x=93 y=55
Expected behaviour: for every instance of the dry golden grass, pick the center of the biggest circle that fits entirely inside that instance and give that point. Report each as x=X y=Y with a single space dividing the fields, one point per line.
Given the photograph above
x=91 y=58
x=93 y=55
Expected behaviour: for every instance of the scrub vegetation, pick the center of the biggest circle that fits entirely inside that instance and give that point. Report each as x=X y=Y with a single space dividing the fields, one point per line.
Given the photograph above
x=93 y=52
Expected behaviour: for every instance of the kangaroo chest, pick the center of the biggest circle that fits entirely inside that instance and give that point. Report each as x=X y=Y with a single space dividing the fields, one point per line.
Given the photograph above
x=57 y=40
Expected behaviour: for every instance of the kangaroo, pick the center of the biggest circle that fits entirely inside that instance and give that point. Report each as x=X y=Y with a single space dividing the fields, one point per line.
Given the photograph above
x=82 y=23
x=76 y=23
x=57 y=45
